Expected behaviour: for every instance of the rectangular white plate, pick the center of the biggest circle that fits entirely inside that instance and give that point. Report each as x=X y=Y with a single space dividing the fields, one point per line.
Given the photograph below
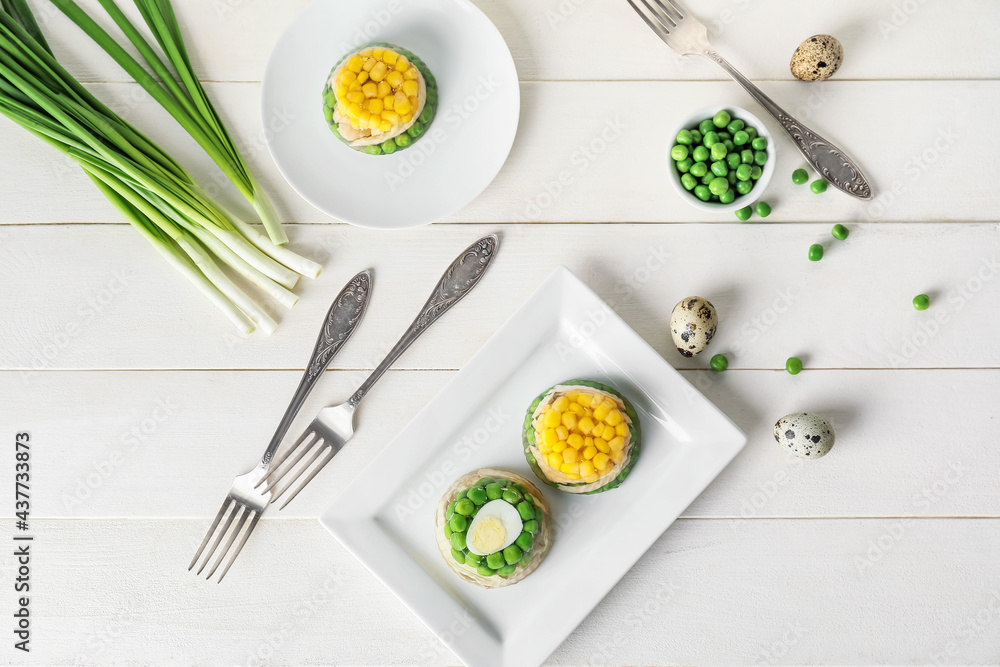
x=563 y=331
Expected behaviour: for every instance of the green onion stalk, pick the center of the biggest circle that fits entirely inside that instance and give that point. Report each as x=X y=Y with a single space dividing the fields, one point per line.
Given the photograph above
x=195 y=234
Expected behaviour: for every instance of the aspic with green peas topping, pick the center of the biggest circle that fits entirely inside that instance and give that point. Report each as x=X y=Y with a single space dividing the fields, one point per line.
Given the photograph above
x=493 y=528
x=721 y=159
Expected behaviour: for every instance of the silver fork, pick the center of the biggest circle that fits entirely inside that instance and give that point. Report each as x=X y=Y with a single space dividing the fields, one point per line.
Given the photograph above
x=687 y=36
x=245 y=503
x=334 y=425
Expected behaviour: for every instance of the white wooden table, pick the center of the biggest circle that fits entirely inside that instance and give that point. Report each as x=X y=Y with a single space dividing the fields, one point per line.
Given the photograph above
x=142 y=405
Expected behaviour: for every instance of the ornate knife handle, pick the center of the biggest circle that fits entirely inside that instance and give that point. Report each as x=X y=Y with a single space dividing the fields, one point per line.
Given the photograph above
x=463 y=274
x=343 y=317
x=828 y=160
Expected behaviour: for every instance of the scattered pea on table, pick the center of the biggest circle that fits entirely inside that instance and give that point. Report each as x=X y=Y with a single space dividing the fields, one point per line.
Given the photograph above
x=840 y=232
x=763 y=209
x=719 y=363
x=800 y=176
x=744 y=213
x=818 y=186
x=921 y=302
x=815 y=252
x=793 y=365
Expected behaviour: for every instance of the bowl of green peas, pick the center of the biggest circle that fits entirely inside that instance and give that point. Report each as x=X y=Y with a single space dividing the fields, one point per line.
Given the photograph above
x=720 y=158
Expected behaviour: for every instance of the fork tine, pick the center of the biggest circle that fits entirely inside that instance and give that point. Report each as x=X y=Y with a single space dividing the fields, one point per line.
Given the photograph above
x=243 y=512
x=211 y=531
x=676 y=7
x=277 y=476
x=277 y=462
x=660 y=13
x=315 y=452
x=326 y=459
x=220 y=534
x=655 y=26
x=239 y=547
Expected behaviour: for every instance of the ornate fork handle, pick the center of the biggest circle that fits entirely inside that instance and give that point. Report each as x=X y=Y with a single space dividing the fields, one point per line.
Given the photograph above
x=828 y=160
x=463 y=274
x=340 y=322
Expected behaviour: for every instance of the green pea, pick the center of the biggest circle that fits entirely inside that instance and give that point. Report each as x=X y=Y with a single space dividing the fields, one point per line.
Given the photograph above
x=719 y=363
x=741 y=138
x=512 y=554
x=718 y=186
x=684 y=165
x=818 y=186
x=512 y=496
x=526 y=511
x=458 y=555
x=531 y=526
x=426 y=116
x=840 y=232
x=731 y=177
x=494 y=490
x=707 y=178
x=744 y=187
x=688 y=182
x=458 y=523
x=330 y=99
x=728 y=197
x=700 y=154
x=684 y=137
x=760 y=158
x=529 y=498
x=458 y=541
x=752 y=131
x=703 y=193
x=388 y=146
x=524 y=540
x=402 y=140
x=374 y=149
x=793 y=365
x=699 y=169
x=756 y=172
x=743 y=172
x=507 y=570
x=735 y=125
x=328 y=114
x=695 y=137
x=477 y=494
x=710 y=139
x=815 y=252
x=722 y=118
x=495 y=560
x=724 y=136
x=415 y=130
x=800 y=176
x=719 y=151
x=715 y=198
x=447 y=530
x=733 y=160
x=451 y=509
x=719 y=168
x=465 y=507
x=746 y=156
x=461 y=495
x=706 y=126
x=744 y=213
x=485 y=571
x=679 y=152
x=921 y=302
x=472 y=559
x=759 y=144
x=763 y=209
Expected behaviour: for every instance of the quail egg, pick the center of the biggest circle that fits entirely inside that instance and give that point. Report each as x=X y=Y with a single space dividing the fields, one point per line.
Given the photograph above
x=692 y=325
x=817 y=58
x=807 y=435
x=494 y=528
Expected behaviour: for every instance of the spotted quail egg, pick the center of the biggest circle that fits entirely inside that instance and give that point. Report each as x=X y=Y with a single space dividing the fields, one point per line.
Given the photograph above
x=807 y=435
x=817 y=58
x=692 y=325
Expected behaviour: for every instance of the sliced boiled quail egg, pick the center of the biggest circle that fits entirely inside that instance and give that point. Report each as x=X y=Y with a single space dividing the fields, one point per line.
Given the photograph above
x=495 y=527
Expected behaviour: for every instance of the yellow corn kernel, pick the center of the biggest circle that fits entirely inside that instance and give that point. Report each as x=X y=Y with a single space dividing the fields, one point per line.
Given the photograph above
x=600 y=412
x=600 y=460
x=577 y=409
x=410 y=88
x=356 y=96
x=562 y=432
x=590 y=479
x=571 y=475
x=570 y=455
x=390 y=116
x=407 y=118
x=403 y=106
x=618 y=456
x=375 y=106
x=362 y=77
x=568 y=468
x=602 y=445
x=377 y=53
x=588 y=441
x=385 y=126
x=608 y=403
x=590 y=452
x=341 y=109
x=414 y=102
x=553 y=461
x=582 y=399
x=355 y=123
x=608 y=467
x=389 y=57
x=586 y=425
x=367 y=53
x=347 y=77
x=394 y=78
x=560 y=404
x=356 y=86
x=609 y=432
x=378 y=72
x=617 y=444
x=575 y=440
x=340 y=91
x=569 y=420
x=614 y=418
x=354 y=109
x=354 y=64
x=410 y=73
x=370 y=89
x=552 y=418
x=549 y=437
x=388 y=101
x=365 y=115
x=586 y=468
x=622 y=429
x=559 y=446
x=375 y=121
x=401 y=63
x=368 y=64
x=384 y=89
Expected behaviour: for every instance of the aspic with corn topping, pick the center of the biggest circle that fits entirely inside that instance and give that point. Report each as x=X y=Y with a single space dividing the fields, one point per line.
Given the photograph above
x=582 y=436
x=380 y=99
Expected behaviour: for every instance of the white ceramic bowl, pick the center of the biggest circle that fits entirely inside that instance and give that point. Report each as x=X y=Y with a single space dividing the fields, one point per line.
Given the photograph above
x=690 y=123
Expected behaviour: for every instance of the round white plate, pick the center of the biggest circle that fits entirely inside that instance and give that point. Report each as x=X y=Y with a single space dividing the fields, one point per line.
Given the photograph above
x=454 y=161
